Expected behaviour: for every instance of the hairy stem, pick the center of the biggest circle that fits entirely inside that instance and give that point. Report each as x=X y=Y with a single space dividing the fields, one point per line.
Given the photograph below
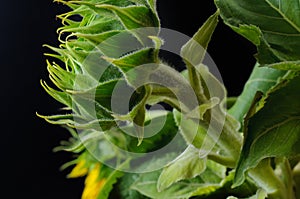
x=219 y=127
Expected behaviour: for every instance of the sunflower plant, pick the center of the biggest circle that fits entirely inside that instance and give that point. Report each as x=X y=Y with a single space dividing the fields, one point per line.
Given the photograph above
x=141 y=129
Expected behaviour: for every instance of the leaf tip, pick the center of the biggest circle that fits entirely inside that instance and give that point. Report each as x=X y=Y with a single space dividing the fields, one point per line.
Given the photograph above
x=39 y=115
x=161 y=184
x=140 y=141
x=238 y=180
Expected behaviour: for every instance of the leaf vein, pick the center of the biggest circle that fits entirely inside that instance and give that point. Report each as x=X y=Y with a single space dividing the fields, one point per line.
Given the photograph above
x=284 y=16
x=279 y=124
x=261 y=80
x=280 y=33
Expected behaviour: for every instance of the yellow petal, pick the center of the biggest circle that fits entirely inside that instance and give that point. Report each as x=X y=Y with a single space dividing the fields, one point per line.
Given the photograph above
x=93 y=175
x=92 y=191
x=79 y=170
x=93 y=184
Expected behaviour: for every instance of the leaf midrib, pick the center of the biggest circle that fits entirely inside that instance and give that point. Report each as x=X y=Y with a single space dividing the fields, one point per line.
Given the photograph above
x=284 y=16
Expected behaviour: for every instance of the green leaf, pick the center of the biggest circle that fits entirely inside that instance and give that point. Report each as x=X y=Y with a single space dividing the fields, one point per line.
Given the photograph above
x=97 y=102
x=110 y=177
x=91 y=6
x=132 y=60
x=148 y=3
x=261 y=79
x=140 y=2
x=124 y=190
x=127 y=183
x=180 y=190
x=196 y=135
x=137 y=111
x=94 y=28
x=261 y=194
x=191 y=131
x=212 y=126
x=194 y=50
x=265 y=177
x=152 y=3
x=98 y=38
x=284 y=171
x=136 y=66
x=61 y=97
x=199 y=112
x=265 y=54
x=186 y=166
x=212 y=87
x=139 y=115
x=288 y=65
x=160 y=123
x=88 y=139
x=134 y=17
x=168 y=86
x=273 y=26
x=142 y=21
x=201 y=185
x=76 y=121
x=79 y=50
x=273 y=131
x=193 y=53
x=101 y=94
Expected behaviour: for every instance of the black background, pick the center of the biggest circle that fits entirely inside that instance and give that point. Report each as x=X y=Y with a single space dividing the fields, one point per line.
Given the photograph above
x=31 y=169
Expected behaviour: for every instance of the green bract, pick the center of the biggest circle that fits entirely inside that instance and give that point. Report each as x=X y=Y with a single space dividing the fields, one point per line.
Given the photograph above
x=107 y=73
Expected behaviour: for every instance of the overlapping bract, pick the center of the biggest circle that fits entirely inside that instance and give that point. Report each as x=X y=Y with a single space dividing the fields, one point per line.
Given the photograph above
x=86 y=80
x=102 y=44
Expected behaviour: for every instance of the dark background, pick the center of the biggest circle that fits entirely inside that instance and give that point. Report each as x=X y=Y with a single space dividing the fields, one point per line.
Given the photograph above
x=31 y=169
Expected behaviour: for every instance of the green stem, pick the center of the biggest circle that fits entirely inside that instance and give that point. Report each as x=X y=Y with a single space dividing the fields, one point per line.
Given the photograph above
x=225 y=136
x=220 y=128
x=226 y=161
x=230 y=140
x=195 y=81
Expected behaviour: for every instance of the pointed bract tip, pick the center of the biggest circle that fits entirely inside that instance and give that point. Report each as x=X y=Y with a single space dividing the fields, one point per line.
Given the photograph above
x=108 y=59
